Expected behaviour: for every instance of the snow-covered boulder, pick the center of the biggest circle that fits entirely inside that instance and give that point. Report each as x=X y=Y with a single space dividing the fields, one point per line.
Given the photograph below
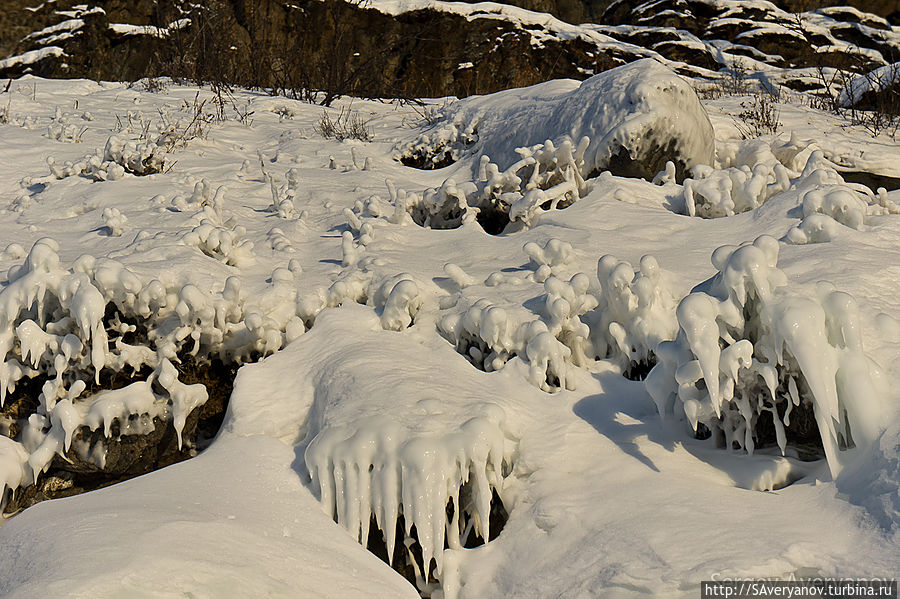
x=636 y=117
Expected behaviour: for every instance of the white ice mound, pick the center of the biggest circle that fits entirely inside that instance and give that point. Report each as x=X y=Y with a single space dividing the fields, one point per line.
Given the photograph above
x=637 y=117
x=635 y=312
x=385 y=446
x=746 y=346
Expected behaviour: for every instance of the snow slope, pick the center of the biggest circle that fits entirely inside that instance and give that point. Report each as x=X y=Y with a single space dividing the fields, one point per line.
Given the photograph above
x=467 y=351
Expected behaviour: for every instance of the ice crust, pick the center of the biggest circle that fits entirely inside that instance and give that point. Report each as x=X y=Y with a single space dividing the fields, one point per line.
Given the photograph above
x=745 y=345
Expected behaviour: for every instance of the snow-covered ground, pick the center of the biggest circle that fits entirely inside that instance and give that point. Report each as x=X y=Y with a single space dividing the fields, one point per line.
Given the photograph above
x=404 y=361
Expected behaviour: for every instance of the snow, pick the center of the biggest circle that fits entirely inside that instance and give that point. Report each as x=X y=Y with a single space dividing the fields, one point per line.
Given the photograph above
x=31 y=57
x=167 y=535
x=127 y=29
x=46 y=34
x=874 y=81
x=390 y=368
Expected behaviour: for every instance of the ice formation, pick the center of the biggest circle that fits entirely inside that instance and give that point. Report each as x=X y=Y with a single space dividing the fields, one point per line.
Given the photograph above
x=642 y=109
x=114 y=221
x=712 y=193
x=61 y=129
x=825 y=208
x=216 y=234
x=381 y=452
x=635 y=312
x=746 y=346
x=756 y=171
x=381 y=469
x=552 y=340
x=622 y=316
x=544 y=178
x=120 y=155
x=67 y=325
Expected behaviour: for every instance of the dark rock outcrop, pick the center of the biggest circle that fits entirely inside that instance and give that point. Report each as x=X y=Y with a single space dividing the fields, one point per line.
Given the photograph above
x=339 y=48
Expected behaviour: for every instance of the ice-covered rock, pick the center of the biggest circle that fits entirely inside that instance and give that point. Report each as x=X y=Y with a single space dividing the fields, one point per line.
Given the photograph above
x=637 y=117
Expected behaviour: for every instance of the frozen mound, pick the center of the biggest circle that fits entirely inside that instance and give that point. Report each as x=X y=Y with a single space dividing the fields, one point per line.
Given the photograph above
x=64 y=332
x=749 y=353
x=754 y=172
x=827 y=202
x=119 y=156
x=637 y=117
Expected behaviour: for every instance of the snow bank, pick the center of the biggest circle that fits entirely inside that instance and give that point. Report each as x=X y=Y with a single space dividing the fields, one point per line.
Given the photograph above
x=31 y=57
x=151 y=30
x=746 y=346
x=636 y=117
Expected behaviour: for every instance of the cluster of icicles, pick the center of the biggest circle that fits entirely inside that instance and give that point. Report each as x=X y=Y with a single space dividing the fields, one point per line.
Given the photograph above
x=746 y=345
x=385 y=470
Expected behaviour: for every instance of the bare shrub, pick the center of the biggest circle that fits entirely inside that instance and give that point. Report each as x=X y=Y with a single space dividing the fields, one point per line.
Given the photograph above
x=348 y=125
x=176 y=134
x=872 y=100
x=866 y=97
x=759 y=117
